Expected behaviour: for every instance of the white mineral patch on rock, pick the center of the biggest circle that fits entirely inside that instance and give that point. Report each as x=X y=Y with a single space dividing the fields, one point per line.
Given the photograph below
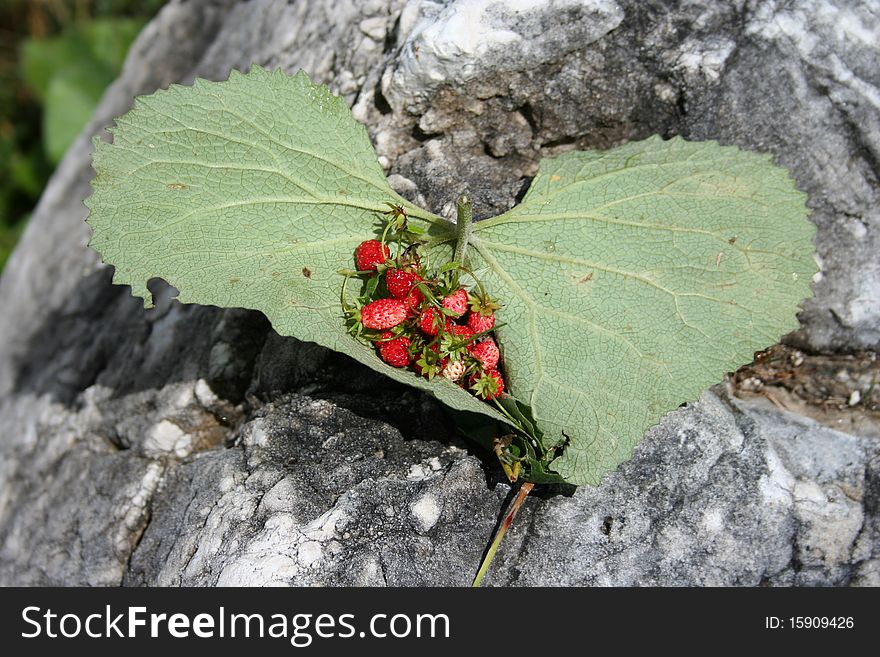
x=309 y=553
x=323 y=527
x=776 y=486
x=134 y=518
x=168 y=439
x=705 y=58
x=425 y=512
x=465 y=39
x=713 y=520
x=204 y=394
x=266 y=570
x=818 y=28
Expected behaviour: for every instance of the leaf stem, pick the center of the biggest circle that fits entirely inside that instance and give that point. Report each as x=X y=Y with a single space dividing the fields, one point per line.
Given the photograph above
x=513 y=421
x=524 y=490
x=464 y=226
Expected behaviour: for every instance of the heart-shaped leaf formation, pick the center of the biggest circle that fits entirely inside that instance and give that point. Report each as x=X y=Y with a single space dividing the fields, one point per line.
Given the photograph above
x=632 y=278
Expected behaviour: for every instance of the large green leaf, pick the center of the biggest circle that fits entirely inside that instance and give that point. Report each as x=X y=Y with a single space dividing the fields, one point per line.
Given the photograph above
x=632 y=278
x=250 y=193
x=635 y=278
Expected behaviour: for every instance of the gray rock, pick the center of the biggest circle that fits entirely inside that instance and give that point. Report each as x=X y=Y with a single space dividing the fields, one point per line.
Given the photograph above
x=192 y=445
x=722 y=493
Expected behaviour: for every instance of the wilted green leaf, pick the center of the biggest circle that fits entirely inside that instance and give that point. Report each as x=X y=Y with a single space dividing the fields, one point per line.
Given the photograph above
x=635 y=278
x=250 y=193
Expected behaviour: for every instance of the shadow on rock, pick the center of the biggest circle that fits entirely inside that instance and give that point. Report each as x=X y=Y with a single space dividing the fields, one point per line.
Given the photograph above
x=103 y=336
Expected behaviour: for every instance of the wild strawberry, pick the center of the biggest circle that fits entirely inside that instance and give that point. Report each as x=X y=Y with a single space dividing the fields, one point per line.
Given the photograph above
x=402 y=285
x=479 y=323
x=453 y=370
x=488 y=385
x=457 y=302
x=487 y=353
x=430 y=321
x=369 y=254
x=465 y=331
x=383 y=313
x=394 y=351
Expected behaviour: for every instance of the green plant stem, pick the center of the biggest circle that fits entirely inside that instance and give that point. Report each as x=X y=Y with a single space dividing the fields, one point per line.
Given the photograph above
x=524 y=490
x=464 y=227
x=513 y=421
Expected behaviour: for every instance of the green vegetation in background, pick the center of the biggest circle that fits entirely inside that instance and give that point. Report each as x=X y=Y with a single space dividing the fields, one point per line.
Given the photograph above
x=56 y=59
x=69 y=73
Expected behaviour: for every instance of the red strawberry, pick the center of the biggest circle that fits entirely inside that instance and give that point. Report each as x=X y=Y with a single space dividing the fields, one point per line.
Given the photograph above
x=479 y=323
x=394 y=352
x=487 y=353
x=429 y=321
x=488 y=385
x=383 y=313
x=402 y=285
x=369 y=254
x=464 y=332
x=457 y=302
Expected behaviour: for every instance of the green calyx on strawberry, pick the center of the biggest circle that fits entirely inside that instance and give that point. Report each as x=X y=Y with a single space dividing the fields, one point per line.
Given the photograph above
x=488 y=385
x=483 y=304
x=456 y=345
x=397 y=217
x=482 y=317
x=398 y=224
x=429 y=362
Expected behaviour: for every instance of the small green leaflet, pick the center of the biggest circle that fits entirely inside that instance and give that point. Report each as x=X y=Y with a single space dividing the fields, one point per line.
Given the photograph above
x=632 y=279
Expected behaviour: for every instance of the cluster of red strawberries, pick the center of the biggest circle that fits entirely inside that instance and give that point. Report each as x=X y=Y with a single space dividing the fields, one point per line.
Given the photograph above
x=428 y=322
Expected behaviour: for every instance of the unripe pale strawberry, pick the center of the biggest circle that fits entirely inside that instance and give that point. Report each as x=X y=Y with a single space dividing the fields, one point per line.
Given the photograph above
x=394 y=352
x=383 y=313
x=487 y=353
x=369 y=254
x=457 y=302
x=453 y=370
